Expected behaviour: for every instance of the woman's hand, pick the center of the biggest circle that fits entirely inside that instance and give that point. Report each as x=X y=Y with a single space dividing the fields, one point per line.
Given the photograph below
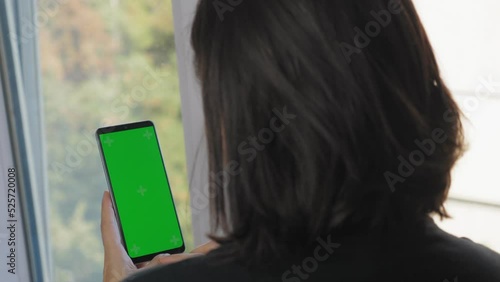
x=117 y=263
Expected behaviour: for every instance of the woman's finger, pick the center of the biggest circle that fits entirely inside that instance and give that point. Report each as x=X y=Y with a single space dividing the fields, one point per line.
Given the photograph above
x=117 y=264
x=205 y=248
x=163 y=259
x=141 y=264
x=157 y=260
x=109 y=228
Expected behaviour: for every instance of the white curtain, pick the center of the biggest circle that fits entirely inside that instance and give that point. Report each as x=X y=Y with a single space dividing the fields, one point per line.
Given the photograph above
x=193 y=120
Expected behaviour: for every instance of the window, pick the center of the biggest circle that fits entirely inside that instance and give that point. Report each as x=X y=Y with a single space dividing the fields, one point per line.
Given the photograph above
x=465 y=38
x=103 y=63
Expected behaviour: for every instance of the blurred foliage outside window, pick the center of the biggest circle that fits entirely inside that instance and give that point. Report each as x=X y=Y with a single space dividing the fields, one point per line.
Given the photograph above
x=103 y=62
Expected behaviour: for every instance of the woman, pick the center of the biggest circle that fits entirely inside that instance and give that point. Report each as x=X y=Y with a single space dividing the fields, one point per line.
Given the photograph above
x=340 y=135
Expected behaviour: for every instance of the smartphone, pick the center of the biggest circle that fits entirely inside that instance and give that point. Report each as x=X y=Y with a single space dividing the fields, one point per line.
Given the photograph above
x=139 y=188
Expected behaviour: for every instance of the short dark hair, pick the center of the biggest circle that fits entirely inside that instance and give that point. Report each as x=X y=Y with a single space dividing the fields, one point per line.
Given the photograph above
x=372 y=135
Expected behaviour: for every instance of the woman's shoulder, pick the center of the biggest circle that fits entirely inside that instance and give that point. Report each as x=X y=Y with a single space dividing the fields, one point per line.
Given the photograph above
x=201 y=268
x=462 y=257
x=433 y=256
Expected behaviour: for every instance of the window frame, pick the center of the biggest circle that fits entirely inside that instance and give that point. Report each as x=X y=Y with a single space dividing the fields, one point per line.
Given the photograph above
x=20 y=86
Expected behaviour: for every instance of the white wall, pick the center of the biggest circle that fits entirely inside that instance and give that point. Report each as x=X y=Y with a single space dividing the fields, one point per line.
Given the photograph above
x=466 y=38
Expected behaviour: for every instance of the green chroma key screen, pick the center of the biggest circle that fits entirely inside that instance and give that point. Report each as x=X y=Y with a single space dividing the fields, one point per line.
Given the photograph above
x=141 y=191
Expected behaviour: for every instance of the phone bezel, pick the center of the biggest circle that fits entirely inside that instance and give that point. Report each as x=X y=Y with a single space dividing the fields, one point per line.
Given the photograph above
x=125 y=127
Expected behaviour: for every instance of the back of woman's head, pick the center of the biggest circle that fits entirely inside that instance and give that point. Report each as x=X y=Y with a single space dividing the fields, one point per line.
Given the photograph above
x=320 y=115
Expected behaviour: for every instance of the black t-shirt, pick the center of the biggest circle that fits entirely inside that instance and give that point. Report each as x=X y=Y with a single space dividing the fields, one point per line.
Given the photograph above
x=427 y=254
